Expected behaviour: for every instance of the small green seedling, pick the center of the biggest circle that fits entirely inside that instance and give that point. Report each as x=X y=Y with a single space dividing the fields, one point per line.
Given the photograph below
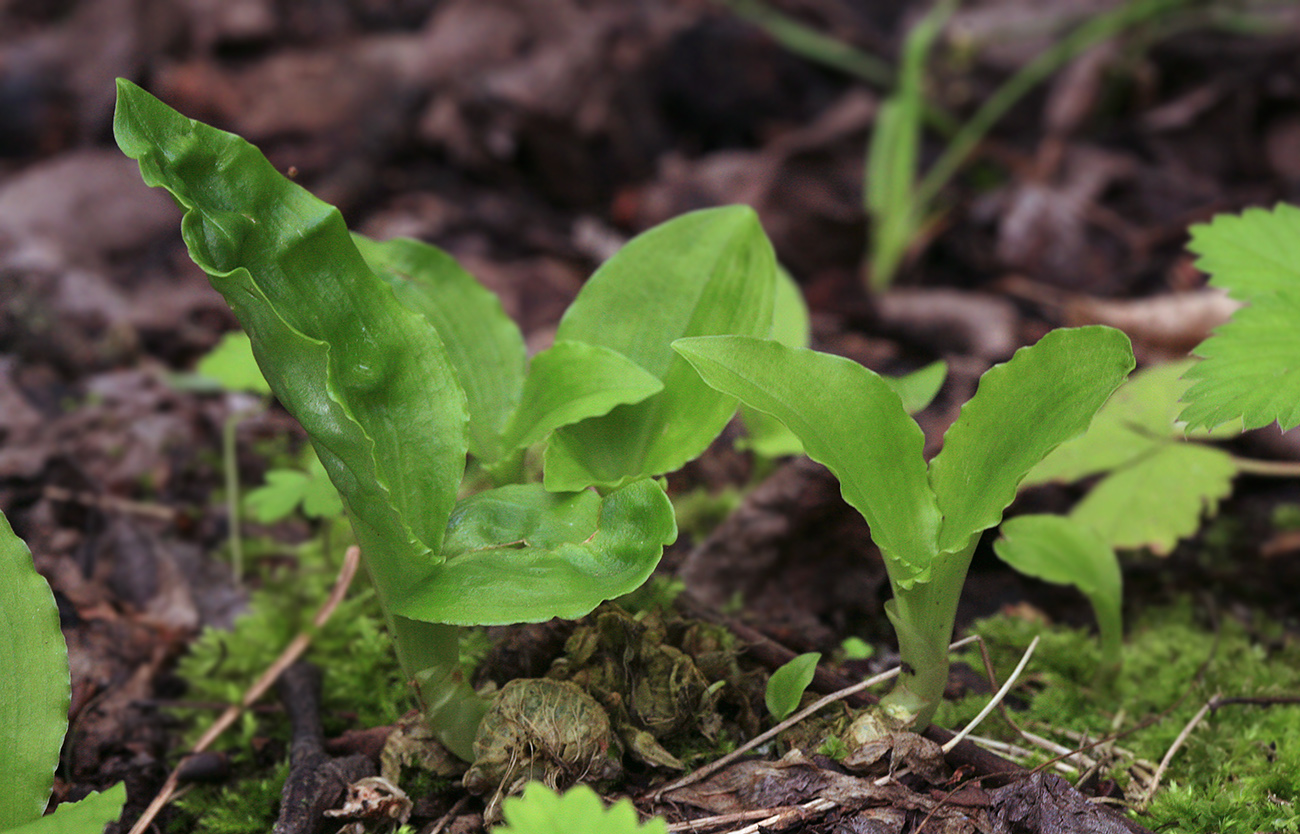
x=34 y=698
x=1250 y=367
x=399 y=365
x=786 y=686
x=578 y=811
x=926 y=519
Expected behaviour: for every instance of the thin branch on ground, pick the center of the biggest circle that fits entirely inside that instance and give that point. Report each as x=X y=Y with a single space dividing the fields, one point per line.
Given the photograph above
x=1173 y=748
x=291 y=653
x=997 y=699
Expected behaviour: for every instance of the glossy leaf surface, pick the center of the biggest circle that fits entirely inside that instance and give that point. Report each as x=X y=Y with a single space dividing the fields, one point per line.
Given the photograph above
x=850 y=421
x=1251 y=365
x=34 y=689
x=708 y=272
x=483 y=344
x=1023 y=409
x=1160 y=499
x=572 y=381
x=1064 y=551
x=368 y=378
x=521 y=554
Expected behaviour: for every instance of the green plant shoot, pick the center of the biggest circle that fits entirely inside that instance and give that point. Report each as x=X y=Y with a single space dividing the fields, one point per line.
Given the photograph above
x=786 y=686
x=34 y=696
x=399 y=365
x=577 y=811
x=926 y=519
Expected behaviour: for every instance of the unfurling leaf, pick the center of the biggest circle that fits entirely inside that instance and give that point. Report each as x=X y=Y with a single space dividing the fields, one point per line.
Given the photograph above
x=786 y=686
x=1064 y=551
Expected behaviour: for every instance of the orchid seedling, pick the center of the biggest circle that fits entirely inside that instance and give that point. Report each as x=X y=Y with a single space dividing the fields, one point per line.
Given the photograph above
x=399 y=366
x=926 y=519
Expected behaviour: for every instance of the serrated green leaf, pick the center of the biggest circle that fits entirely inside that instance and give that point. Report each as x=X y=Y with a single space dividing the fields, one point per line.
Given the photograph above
x=35 y=687
x=1162 y=498
x=1251 y=366
x=232 y=366
x=573 y=381
x=787 y=684
x=1066 y=552
x=1251 y=255
x=278 y=498
x=579 y=811
x=850 y=421
x=1023 y=409
x=368 y=379
x=484 y=345
x=707 y=272
x=520 y=554
x=88 y=816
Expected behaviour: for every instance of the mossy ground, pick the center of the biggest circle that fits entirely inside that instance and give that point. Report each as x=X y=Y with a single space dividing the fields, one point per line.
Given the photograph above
x=1238 y=771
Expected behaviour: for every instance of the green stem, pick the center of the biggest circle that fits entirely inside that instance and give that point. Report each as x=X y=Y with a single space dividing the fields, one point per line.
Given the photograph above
x=230 y=463
x=923 y=617
x=1268 y=468
x=429 y=654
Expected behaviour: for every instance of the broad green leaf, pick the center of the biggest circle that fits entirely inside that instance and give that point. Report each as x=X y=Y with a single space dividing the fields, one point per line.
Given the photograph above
x=850 y=421
x=791 y=326
x=786 y=686
x=1064 y=551
x=368 y=379
x=1142 y=416
x=521 y=554
x=231 y=365
x=1251 y=366
x=704 y=273
x=484 y=345
x=1023 y=409
x=572 y=381
x=579 y=811
x=1162 y=498
x=34 y=689
x=88 y=816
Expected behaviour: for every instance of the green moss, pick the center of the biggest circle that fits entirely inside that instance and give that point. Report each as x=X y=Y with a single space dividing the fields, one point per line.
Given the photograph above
x=1239 y=771
x=248 y=806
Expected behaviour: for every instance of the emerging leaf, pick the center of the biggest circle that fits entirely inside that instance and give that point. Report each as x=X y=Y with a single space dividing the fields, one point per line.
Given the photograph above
x=34 y=689
x=484 y=346
x=786 y=686
x=520 y=554
x=704 y=273
x=850 y=421
x=1064 y=551
x=579 y=811
x=1023 y=409
x=368 y=378
x=1251 y=366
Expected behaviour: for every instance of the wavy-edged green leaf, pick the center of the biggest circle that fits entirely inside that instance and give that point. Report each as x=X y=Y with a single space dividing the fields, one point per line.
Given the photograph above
x=578 y=811
x=1141 y=416
x=231 y=365
x=1066 y=552
x=787 y=684
x=482 y=342
x=87 y=816
x=572 y=381
x=1043 y=396
x=520 y=554
x=368 y=378
x=34 y=689
x=704 y=273
x=1162 y=498
x=850 y=421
